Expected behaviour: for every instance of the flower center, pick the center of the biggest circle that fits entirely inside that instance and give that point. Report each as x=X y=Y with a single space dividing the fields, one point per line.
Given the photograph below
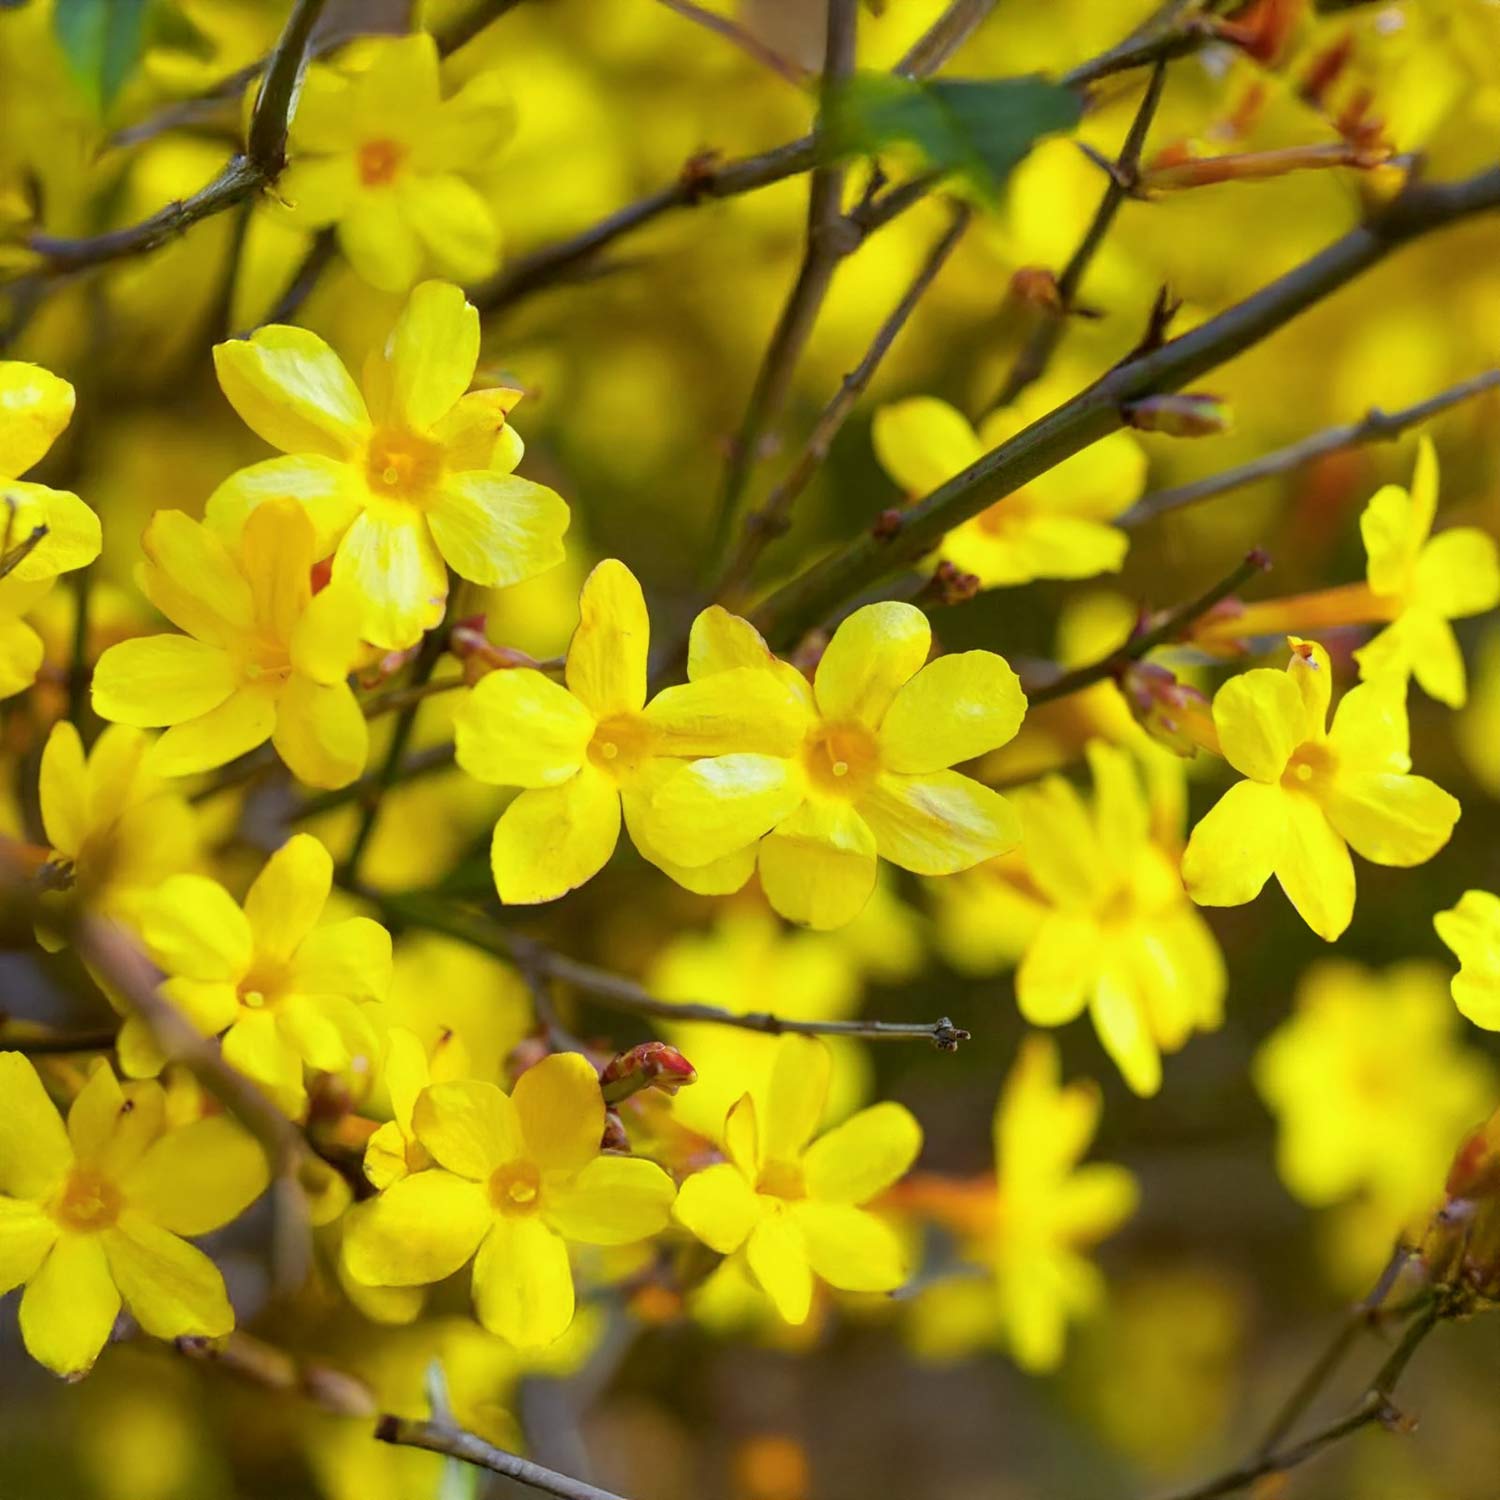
x=1310 y=768
x=402 y=464
x=262 y=986
x=88 y=1201
x=516 y=1188
x=781 y=1179
x=841 y=759
x=620 y=744
x=379 y=161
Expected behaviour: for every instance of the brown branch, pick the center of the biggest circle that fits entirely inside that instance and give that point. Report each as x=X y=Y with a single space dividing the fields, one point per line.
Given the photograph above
x=615 y=992
x=1170 y=628
x=59 y=1044
x=1099 y=409
x=944 y=37
x=770 y=520
x=453 y=1442
x=1031 y=363
x=748 y=43
x=1374 y=426
x=261 y=1364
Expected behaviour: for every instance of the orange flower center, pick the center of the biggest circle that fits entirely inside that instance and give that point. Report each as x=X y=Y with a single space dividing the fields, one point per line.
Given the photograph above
x=841 y=759
x=402 y=464
x=620 y=744
x=263 y=985
x=782 y=1179
x=516 y=1188
x=379 y=161
x=89 y=1201
x=1310 y=768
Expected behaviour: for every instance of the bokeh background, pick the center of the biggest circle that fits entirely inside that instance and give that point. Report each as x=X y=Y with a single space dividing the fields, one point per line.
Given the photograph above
x=1224 y=1284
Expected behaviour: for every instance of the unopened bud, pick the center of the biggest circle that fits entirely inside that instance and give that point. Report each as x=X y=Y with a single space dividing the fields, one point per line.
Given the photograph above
x=1037 y=286
x=480 y=656
x=1185 y=415
x=1171 y=712
x=949 y=585
x=652 y=1065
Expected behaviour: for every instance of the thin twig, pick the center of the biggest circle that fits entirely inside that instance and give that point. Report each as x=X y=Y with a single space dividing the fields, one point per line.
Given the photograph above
x=770 y=520
x=1098 y=410
x=823 y=250
x=11 y=559
x=59 y=1045
x=944 y=37
x=453 y=1442
x=1170 y=627
x=616 y=992
x=1177 y=38
x=261 y=1364
x=1031 y=363
x=1374 y=426
x=748 y=43
x=305 y=278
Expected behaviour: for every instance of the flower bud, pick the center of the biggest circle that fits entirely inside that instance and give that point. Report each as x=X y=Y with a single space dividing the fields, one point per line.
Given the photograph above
x=650 y=1065
x=1171 y=712
x=1192 y=414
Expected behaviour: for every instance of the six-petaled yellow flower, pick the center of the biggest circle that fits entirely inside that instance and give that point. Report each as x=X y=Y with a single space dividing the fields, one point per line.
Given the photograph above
x=284 y=988
x=793 y=1206
x=1055 y=526
x=94 y=1214
x=518 y=1177
x=881 y=726
x=585 y=751
x=412 y=473
x=1311 y=793
x=263 y=658
x=383 y=157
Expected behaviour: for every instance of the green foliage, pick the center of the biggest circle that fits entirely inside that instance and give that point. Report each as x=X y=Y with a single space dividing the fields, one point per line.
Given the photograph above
x=102 y=41
x=978 y=129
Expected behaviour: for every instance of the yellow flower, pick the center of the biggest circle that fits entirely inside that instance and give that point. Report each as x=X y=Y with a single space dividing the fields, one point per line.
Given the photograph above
x=407 y=475
x=791 y=1208
x=393 y=1151
x=1371 y=1086
x=1116 y=931
x=92 y=1214
x=1033 y=1224
x=283 y=989
x=115 y=833
x=1472 y=930
x=381 y=155
x=1056 y=526
x=263 y=658
x=35 y=406
x=583 y=751
x=871 y=777
x=1312 y=793
x=518 y=1177
x=1421 y=582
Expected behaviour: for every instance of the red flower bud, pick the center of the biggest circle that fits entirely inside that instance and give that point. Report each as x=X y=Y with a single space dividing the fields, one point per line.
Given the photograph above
x=650 y=1065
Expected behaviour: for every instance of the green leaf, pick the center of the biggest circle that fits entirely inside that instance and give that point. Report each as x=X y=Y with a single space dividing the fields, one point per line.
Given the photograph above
x=102 y=41
x=976 y=128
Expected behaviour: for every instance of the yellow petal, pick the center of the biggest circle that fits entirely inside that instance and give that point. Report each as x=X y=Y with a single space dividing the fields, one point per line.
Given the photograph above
x=1312 y=671
x=561 y=1111
x=1096 y=1200
x=192 y=927
x=551 y=840
x=956 y=708
x=741 y=709
x=1260 y=719
x=938 y=824
x=328 y=489
x=469 y=1126
x=1436 y=660
x=606 y=667
x=286 y=899
x=193 y=579
x=714 y=807
x=519 y=728
x=1056 y=977
x=1472 y=930
x=869 y=1152
x=242 y=722
x=292 y=390
x=69 y=1306
x=849 y=1247
x=523 y=1284
x=777 y=1254
x=1122 y=1025
x=795 y=1094
x=1314 y=868
x=872 y=654
x=497 y=529
x=172 y=1289
x=21 y=656
x=1371 y=731
x=419 y=1230
x=331 y=1033
x=454 y=223
x=1003 y=549
x=62 y=789
x=34 y=1150
x=276 y=556
x=325 y=645
x=350 y=958
x=818 y=867
x=742 y=1136
x=256 y=1047
x=923 y=442
x=614 y=1200
x=316 y=191
x=1236 y=845
x=1390 y=819
x=197 y=1177
x=719 y=1206
x=161 y=679
x=720 y=641
x=379 y=243
x=391 y=565
x=35 y=405
x=321 y=733
x=73 y=535
x=27 y=1233
x=432 y=352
